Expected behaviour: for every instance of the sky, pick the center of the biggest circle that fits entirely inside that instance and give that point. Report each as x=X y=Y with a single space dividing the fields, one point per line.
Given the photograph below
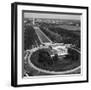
x=51 y=16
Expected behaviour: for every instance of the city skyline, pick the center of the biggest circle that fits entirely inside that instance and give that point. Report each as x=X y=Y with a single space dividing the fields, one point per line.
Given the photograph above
x=52 y=16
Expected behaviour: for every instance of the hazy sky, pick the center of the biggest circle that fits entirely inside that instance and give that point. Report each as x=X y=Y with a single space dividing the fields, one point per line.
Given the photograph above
x=54 y=16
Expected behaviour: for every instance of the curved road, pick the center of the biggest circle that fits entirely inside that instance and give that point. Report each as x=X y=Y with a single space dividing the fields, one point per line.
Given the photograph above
x=46 y=71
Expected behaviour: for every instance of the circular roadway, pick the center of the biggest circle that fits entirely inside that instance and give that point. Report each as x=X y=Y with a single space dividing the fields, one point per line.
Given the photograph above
x=61 y=66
